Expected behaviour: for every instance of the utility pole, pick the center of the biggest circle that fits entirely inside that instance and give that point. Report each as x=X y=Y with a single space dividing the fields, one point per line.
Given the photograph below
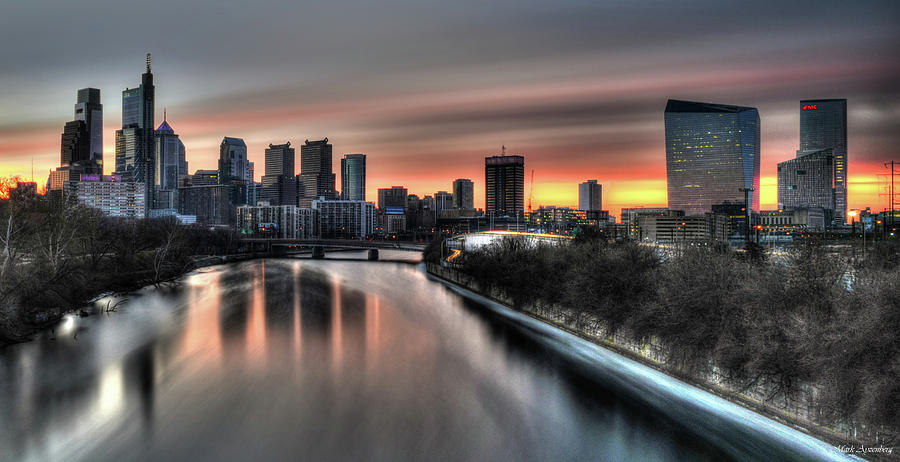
x=888 y=222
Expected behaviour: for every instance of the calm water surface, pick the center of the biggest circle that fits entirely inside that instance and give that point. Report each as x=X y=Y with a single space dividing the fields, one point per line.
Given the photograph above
x=286 y=359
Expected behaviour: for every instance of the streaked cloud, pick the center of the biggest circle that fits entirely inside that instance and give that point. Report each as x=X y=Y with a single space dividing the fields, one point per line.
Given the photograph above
x=427 y=89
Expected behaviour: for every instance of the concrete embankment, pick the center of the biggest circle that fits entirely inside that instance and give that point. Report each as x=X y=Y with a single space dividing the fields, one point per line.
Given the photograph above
x=652 y=355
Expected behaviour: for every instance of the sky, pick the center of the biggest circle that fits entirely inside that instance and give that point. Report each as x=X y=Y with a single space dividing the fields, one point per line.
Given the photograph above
x=427 y=89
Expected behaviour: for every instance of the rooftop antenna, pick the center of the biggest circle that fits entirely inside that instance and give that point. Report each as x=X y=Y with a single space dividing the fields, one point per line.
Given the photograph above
x=149 y=61
x=503 y=150
x=164 y=114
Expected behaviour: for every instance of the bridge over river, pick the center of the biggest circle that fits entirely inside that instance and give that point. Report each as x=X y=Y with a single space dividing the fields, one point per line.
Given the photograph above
x=318 y=247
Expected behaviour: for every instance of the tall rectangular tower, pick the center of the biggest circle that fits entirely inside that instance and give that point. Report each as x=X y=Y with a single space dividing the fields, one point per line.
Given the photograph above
x=590 y=195
x=89 y=110
x=353 y=177
x=823 y=125
x=463 y=194
x=170 y=160
x=279 y=186
x=136 y=141
x=712 y=155
x=316 y=173
x=280 y=160
x=235 y=170
x=504 y=185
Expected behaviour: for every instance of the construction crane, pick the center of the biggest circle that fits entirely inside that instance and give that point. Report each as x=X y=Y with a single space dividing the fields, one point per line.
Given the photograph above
x=531 y=191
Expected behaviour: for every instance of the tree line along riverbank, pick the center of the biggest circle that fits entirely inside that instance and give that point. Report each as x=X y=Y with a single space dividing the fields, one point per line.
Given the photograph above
x=56 y=255
x=812 y=335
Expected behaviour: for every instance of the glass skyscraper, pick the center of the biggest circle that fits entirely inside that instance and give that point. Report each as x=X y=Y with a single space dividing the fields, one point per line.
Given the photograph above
x=170 y=162
x=89 y=110
x=712 y=155
x=353 y=177
x=136 y=141
x=823 y=125
x=808 y=181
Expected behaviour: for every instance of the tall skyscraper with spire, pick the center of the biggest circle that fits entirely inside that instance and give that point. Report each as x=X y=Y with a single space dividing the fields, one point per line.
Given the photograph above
x=170 y=165
x=136 y=141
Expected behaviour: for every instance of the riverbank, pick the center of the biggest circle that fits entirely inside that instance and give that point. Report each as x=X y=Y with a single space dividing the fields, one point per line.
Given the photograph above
x=561 y=318
x=49 y=316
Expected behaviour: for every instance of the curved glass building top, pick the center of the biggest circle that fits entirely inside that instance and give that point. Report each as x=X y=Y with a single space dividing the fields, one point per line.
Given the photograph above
x=712 y=155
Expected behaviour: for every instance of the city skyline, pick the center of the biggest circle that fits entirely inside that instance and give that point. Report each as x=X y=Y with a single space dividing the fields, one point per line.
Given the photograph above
x=573 y=115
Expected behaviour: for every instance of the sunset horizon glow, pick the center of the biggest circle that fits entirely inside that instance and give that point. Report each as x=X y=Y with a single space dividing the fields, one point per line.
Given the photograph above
x=428 y=91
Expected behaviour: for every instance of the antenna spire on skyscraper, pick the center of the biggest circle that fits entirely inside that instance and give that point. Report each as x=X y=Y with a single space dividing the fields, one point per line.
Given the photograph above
x=148 y=62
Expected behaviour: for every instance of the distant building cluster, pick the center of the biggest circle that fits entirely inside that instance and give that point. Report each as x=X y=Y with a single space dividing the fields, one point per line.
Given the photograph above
x=712 y=166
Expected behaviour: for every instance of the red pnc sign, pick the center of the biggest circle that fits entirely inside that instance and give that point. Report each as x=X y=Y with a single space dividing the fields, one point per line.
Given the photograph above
x=811 y=107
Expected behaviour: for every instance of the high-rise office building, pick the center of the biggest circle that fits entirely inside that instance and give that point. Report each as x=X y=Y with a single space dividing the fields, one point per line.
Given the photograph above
x=463 y=194
x=135 y=142
x=443 y=200
x=233 y=163
x=89 y=110
x=316 y=173
x=823 y=125
x=395 y=196
x=81 y=146
x=279 y=186
x=353 y=177
x=280 y=159
x=170 y=162
x=75 y=148
x=504 y=185
x=712 y=155
x=590 y=195
x=808 y=181
x=392 y=203
x=345 y=219
x=210 y=203
x=205 y=178
x=235 y=169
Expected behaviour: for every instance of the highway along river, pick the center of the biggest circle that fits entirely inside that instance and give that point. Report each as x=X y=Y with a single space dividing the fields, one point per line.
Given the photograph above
x=291 y=359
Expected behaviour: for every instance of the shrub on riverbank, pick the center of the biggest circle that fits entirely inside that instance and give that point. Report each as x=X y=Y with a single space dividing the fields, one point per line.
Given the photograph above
x=56 y=254
x=812 y=320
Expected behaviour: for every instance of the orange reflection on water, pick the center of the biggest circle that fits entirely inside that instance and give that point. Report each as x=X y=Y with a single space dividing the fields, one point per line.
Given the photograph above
x=298 y=322
x=256 y=322
x=337 y=329
x=202 y=338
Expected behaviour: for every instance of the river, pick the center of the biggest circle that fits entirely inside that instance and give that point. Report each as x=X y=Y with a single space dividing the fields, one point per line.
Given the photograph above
x=292 y=359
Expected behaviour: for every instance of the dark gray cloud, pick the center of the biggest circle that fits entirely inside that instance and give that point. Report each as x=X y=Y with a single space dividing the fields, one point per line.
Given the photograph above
x=570 y=82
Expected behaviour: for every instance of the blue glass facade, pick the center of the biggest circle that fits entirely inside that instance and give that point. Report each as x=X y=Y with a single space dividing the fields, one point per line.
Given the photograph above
x=712 y=155
x=353 y=177
x=136 y=141
x=823 y=125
